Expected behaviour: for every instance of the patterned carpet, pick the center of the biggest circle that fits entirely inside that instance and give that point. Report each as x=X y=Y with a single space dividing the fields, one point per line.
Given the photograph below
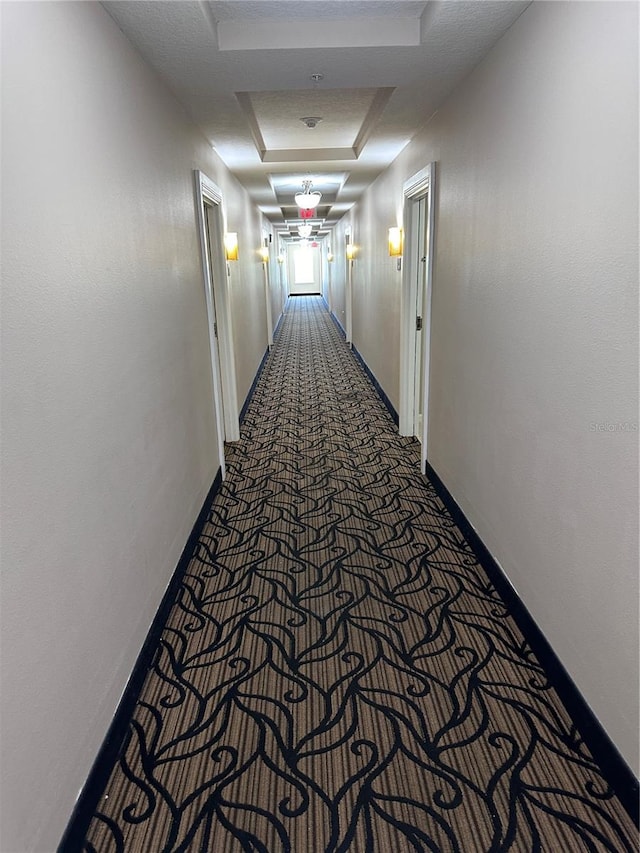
x=338 y=673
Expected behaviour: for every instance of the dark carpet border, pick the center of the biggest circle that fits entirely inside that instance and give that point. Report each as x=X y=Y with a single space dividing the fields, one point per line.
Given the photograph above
x=78 y=826
x=366 y=369
x=338 y=323
x=256 y=379
x=377 y=386
x=614 y=768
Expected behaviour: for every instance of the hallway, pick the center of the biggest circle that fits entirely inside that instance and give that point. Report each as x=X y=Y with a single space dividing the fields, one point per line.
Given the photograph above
x=162 y=164
x=338 y=673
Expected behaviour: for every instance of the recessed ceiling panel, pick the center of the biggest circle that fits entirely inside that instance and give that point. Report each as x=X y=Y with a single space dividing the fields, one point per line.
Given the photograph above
x=336 y=116
x=292 y=35
x=310 y=124
x=293 y=24
x=377 y=95
x=310 y=10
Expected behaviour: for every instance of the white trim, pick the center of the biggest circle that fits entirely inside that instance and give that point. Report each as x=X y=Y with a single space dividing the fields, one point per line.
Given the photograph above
x=267 y=293
x=420 y=184
x=227 y=408
x=348 y=294
x=266 y=266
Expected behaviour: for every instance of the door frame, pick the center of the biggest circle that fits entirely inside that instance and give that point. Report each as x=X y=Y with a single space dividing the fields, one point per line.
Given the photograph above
x=266 y=268
x=348 y=290
x=216 y=281
x=420 y=184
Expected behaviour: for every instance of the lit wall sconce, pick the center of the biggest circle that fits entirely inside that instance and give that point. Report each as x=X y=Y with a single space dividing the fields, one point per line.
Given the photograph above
x=280 y=259
x=231 y=246
x=395 y=242
x=351 y=251
x=264 y=254
x=329 y=256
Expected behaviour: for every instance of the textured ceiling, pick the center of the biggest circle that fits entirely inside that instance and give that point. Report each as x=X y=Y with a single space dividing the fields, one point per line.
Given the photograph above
x=341 y=113
x=247 y=72
x=319 y=124
x=315 y=10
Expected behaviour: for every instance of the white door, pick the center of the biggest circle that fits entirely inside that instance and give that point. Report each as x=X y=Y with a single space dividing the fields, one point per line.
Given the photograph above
x=216 y=286
x=210 y=212
x=418 y=221
x=348 y=294
x=267 y=296
x=415 y=309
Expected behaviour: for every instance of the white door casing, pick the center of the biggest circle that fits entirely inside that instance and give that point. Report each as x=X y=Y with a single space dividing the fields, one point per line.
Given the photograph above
x=218 y=310
x=267 y=293
x=415 y=273
x=348 y=293
x=418 y=242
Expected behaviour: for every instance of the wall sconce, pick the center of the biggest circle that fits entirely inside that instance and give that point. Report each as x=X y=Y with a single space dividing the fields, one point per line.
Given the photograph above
x=395 y=242
x=280 y=259
x=329 y=256
x=231 y=246
x=351 y=251
x=264 y=254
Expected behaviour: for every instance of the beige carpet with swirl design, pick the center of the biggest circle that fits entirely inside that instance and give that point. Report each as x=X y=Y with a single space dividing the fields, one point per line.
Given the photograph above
x=338 y=673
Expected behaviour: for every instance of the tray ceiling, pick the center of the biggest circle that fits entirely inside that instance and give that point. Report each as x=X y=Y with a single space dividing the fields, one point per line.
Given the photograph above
x=373 y=71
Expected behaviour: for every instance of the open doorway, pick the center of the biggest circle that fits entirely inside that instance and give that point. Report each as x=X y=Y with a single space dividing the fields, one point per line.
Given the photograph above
x=305 y=271
x=416 y=307
x=211 y=229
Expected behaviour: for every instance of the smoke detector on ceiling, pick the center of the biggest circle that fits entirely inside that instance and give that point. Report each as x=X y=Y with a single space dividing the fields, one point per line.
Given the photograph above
x=310 y=121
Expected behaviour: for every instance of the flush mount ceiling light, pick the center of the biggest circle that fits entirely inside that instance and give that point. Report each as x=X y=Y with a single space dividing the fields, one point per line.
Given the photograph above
x=311 y=121
x=304 y=230
x=307 y=200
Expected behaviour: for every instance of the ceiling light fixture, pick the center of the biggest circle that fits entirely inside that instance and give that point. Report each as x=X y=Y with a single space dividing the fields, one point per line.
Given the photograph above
x=307 y=200
x=304 y=230
x=311 y=121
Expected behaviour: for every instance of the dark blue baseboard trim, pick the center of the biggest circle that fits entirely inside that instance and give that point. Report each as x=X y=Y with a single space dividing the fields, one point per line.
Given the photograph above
x=377 y=386
x=243 y=411
x=75 y=833
x=279 y=323
x=614 y=768
x=338 y=324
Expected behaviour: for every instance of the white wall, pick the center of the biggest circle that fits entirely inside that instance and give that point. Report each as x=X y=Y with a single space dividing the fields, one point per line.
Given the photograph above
x=377 y=283
x=535 y=326
x=248 y=299
x=339 y=270
x=108 y=435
